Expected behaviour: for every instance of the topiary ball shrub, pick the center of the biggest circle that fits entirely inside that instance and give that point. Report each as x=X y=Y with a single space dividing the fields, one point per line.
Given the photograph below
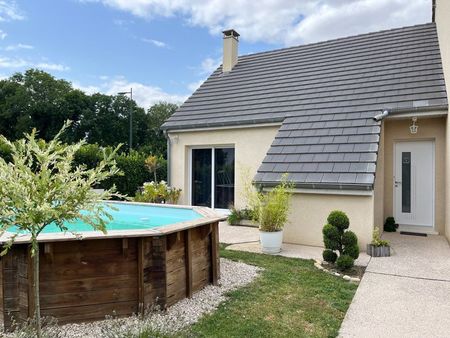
x=339 y=220
x=337 y=238
x=331 y=237
x=329 y=256
x=344 y=262
x=389 y=225
x=350 y=244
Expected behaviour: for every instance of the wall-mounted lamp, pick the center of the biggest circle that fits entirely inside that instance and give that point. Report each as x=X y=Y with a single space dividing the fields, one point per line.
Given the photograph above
x=413 y=127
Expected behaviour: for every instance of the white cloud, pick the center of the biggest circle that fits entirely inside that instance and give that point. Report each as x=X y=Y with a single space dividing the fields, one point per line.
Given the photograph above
x=193 y=86
x=287 y=22
x=156 y=43
x=18 y=46
x=51 y=66
x=15 y=63
x=3 y=35
x=209 y=65
x=145 y=95
x=10 y=11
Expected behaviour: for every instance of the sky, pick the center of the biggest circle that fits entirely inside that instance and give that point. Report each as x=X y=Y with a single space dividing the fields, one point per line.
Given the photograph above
x=164 y=49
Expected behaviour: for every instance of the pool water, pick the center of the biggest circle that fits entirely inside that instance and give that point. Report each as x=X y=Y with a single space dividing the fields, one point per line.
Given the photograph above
x=132 y=217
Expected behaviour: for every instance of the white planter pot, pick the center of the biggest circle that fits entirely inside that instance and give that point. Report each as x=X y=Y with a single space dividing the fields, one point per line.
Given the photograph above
x=271 y=241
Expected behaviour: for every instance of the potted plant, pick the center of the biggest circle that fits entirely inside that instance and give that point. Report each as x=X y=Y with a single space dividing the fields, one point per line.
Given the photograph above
x=240 y=217
x=390 y=225
x=378 y=247
x=270 y=210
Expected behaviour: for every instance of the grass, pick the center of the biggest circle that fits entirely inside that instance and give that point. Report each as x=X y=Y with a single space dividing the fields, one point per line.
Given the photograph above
x=291 y=298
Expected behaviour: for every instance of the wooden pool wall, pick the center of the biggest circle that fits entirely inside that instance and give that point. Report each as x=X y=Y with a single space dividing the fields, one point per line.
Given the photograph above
x=86 y=280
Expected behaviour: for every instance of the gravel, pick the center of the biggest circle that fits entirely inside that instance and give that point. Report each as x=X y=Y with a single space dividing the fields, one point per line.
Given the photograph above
x=177 y=317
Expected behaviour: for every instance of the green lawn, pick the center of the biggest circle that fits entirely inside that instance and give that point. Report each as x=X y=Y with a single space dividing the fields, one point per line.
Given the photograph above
x=291 y=298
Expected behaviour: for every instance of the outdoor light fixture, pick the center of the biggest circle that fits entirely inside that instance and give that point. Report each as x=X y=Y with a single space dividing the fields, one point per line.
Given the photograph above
x=413 y=127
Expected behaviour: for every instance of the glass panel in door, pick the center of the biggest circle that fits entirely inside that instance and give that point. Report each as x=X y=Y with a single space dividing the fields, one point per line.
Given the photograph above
x=201 y=177
x=223 y=177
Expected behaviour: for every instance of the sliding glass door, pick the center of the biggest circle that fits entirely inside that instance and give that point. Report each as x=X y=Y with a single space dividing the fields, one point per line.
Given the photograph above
x=212 y=181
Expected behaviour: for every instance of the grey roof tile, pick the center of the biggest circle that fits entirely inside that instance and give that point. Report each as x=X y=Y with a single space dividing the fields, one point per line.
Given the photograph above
x=325 y=96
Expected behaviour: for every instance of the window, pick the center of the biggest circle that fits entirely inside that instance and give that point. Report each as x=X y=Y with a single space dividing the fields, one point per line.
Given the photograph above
x=212 y=179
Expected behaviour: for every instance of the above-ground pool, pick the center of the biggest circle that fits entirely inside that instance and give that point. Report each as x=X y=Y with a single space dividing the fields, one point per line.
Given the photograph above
x=151 y=255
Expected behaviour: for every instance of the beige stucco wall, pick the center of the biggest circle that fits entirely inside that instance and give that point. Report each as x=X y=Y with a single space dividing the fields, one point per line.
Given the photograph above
x=251 y=146
x=443 y=28
x=309 y=213
x=429 y=129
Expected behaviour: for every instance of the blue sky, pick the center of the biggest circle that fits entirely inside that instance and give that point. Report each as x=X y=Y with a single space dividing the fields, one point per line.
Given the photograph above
x=165 y=48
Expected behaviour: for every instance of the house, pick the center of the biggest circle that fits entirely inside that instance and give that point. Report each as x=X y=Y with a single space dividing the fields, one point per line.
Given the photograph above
x=358 y=123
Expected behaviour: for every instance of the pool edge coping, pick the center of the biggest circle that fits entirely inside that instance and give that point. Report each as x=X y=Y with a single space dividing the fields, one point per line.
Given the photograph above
x=208 y=216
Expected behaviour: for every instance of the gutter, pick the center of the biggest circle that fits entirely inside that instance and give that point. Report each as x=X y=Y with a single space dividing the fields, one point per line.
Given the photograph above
x=411 y=110
x=323 y=186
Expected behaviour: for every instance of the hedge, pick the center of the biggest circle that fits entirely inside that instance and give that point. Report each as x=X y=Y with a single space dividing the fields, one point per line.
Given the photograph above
x=132 y=165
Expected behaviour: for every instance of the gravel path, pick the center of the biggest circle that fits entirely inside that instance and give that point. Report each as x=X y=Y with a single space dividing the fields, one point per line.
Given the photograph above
x=179 y=316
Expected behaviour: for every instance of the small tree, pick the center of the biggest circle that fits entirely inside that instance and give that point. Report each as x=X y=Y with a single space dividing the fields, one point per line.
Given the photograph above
x=41 y=186
x=336 y=237
x=153 y=163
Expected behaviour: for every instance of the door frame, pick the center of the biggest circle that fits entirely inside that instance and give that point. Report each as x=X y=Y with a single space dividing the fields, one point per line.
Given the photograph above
x=213 y=167
x=433 y=188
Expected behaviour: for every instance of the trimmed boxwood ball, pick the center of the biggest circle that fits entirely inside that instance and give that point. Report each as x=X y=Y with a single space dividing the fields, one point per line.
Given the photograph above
x=349 y=238
x=352 y=251
x=338 y=219
x=329 y=256
x=339 y=240
x=344 y=262
x=331 y=237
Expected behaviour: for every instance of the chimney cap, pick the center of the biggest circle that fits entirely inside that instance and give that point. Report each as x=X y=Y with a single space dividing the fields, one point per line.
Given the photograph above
x=230 y=32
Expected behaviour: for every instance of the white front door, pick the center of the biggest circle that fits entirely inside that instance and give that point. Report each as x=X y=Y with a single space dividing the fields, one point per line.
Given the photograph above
x=414 y=183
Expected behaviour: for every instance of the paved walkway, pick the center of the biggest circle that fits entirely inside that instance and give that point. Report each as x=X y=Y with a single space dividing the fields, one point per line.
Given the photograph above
x=405 y=295
x=247 y=239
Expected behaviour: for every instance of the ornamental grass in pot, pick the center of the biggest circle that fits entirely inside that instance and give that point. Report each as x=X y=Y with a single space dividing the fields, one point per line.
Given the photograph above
x=270 y=210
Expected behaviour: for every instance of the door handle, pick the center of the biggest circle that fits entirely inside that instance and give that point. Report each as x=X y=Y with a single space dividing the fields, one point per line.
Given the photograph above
x=396 y=183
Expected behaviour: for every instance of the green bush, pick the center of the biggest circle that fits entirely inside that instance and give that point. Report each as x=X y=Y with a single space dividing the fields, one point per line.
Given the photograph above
x=329 y=256
x=344 y=262
x=389 y=225
x=331 y=237
x=337 y=238
x=338 y=219
x=159 y=192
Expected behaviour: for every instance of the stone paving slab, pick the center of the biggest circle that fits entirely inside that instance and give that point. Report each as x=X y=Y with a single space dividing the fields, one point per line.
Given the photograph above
x=405 y=295
x=231 y=234
x=391 y=306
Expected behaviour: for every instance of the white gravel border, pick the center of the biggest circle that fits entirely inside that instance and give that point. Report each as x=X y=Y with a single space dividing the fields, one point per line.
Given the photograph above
x=177 y=317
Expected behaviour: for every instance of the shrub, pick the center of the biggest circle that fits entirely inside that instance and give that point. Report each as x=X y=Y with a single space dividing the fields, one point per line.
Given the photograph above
x=158 y=193
x=329 y=256
x=389 y=225
x=270 y=209
x=331 y=237
x=376 y=238
x=344 y=262
x=337 y=238
x=235 y=216
x=338 y=219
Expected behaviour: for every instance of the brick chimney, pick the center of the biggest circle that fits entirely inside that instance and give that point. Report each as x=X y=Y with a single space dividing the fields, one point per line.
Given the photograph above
x=230 y=49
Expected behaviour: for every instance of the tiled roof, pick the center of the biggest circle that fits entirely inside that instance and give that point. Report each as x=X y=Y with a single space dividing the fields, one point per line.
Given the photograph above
x=326 y=95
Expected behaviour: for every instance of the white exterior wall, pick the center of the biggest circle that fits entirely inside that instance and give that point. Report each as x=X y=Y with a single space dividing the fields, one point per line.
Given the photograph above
x=443 y=28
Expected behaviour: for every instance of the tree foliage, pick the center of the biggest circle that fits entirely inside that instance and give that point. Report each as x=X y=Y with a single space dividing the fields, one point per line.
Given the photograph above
x=35 y=99
x=41 y=186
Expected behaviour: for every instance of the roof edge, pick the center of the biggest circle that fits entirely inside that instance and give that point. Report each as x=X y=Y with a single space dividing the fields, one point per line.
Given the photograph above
x=224 y=124
x=321 y=186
